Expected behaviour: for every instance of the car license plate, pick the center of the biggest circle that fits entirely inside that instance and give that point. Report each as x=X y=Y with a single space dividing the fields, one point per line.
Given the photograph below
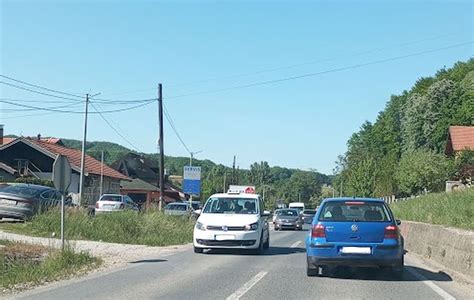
x=8 y=202
x=355 y=250
x=224 y=237
x=287 y=224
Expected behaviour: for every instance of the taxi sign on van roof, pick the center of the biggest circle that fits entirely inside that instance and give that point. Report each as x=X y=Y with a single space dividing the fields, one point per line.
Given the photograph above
x=241 y=189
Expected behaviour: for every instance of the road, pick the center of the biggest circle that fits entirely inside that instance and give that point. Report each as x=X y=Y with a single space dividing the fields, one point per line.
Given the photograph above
x=279 y=274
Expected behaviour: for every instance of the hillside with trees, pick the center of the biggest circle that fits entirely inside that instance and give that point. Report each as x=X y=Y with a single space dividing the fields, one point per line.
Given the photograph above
x=402 y=152
x=279 y=183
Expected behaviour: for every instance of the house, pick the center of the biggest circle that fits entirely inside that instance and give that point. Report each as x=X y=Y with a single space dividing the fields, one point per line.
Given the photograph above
x=144 y=185
x=460 y=138
x=23 y=157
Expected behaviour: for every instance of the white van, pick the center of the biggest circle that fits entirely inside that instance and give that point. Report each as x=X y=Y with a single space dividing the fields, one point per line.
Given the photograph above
x=297 y=205
x=233 y=220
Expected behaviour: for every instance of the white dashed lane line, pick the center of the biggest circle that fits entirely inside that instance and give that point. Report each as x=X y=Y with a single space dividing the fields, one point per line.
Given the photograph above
x=296 y=244
x=247 y=286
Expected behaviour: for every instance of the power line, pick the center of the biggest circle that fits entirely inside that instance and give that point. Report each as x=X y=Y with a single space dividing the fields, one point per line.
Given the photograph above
x=37 y=92
x=170 y=121
x=40 y=87
x=33 y=109
x=114 y=129
x=76 y=112
x=111 y=101
x=356 y=66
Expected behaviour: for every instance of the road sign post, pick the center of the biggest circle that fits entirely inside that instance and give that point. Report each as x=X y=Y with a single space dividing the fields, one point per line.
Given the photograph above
x=62 y=180
x=192 y=181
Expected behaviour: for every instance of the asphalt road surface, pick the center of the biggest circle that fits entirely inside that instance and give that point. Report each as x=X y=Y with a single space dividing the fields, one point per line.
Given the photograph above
x=279 y=274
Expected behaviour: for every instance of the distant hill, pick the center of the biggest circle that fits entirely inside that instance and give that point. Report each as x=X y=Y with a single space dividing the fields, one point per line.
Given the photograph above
x=279 y=182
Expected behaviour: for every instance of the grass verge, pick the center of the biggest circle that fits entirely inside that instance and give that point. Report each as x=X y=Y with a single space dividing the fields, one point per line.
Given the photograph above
x=25 y=265
x=454 y=209
x=150 y=228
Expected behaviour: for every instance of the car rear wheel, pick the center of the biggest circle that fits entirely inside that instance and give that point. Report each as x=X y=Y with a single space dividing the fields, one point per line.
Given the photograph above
x=198 y=250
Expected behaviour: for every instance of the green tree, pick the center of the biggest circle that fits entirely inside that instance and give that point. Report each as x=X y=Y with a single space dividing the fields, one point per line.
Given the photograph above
x=422 y=170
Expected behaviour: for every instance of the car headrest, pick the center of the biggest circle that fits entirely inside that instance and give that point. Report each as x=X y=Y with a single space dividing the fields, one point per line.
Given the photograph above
x=373 y=215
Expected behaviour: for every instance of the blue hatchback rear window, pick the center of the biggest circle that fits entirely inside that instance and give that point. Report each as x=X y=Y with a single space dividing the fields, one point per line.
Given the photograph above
x=354 y=211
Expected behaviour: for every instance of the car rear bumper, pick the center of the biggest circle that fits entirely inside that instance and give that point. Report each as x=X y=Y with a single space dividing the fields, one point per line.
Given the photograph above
x=387 y=253
x=354 y=261
x=15 y=212
x=99 y=211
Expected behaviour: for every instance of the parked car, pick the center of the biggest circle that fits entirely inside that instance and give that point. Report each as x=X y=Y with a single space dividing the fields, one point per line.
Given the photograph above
x=21 y=201
x=234 y=220
x=354 y=232
x=179 y=209
x=115 y=202
x=289 y=218
x=308 y=216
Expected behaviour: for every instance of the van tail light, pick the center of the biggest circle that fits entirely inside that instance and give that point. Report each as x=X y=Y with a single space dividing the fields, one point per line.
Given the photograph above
x=391 y=232
x=122 y=206
x=97 y=205
x=318 y=231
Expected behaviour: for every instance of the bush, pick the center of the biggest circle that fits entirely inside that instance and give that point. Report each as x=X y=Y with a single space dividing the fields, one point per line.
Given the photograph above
x=453 y=209
x=149 y=228
x=27 y=264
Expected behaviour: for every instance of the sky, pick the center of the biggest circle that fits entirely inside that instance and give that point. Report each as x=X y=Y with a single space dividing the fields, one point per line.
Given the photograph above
x=217 y=61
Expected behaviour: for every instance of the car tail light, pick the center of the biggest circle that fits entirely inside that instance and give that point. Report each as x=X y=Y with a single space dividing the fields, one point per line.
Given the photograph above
x=97 y=205
x=391 y=232
x=122 y=206
x=318 y=231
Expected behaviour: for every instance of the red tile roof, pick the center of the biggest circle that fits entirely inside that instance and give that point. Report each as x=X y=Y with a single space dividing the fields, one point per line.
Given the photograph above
x=92 y=166
x=7 y=140
x=462 y=137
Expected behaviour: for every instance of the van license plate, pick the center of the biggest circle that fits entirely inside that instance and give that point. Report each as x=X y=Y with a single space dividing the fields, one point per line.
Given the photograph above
x=224 y=237
x=355 y=250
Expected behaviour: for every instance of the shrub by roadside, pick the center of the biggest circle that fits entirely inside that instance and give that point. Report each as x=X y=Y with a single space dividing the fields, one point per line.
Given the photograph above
x=454 y=209
x=150 y=228
x=24 y=265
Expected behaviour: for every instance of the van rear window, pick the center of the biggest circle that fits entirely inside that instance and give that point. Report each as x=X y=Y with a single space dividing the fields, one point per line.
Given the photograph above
x=355 y=211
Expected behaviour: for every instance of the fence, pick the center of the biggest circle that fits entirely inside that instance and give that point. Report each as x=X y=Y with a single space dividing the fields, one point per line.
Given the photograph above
x=393 y=199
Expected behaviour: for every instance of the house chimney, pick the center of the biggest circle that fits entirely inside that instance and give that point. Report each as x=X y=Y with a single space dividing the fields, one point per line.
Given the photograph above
x=1 y=134
x=38 y=136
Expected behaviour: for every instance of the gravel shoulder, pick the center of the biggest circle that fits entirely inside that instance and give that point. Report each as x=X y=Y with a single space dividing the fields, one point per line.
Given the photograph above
x=111 y=253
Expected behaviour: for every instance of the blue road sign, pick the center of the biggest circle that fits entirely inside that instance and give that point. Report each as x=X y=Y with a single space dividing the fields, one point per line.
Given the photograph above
x=192 y=180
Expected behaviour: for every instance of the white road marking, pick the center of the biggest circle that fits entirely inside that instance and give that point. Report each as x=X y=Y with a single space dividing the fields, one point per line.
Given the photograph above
x=295 y=244
x=247 y=286
x=431 y=285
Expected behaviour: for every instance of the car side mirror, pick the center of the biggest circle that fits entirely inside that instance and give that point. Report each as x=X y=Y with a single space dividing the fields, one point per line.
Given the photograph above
x=266 y=213
x=197 y=212
x=398 y=222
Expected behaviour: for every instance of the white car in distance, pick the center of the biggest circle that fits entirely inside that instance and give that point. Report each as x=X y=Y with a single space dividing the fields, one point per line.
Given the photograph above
x=234 y=220
x=113 y=203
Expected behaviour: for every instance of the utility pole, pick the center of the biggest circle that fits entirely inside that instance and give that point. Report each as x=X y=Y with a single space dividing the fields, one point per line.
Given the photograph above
x=83 y=157
x=191 y=156
x=233 y=171
x=101 y=172
x=161 y=142
x=225 y=177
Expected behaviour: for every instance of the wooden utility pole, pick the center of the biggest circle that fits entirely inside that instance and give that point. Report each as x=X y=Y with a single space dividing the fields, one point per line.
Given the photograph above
x=161 y=182
x=83 y=154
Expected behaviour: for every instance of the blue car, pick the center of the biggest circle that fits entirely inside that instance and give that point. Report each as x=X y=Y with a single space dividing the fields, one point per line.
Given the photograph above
x=360 y=232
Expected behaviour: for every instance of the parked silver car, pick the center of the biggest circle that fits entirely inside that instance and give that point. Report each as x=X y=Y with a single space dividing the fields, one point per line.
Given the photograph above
x=114 y=202
x=21 y=201
x=178 y=209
